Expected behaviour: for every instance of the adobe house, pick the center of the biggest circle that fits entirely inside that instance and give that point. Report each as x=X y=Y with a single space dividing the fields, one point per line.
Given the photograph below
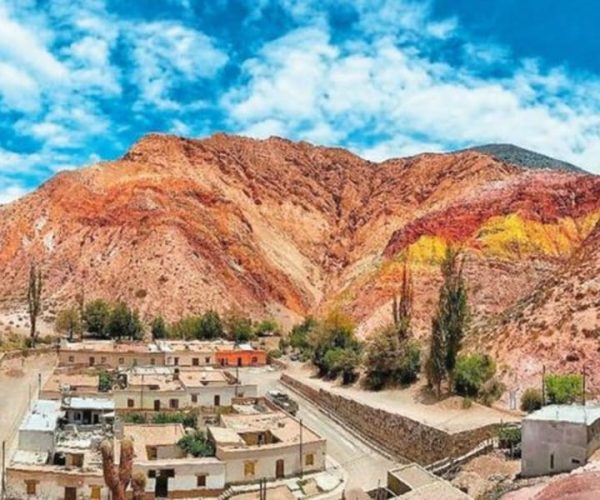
x=558 y=438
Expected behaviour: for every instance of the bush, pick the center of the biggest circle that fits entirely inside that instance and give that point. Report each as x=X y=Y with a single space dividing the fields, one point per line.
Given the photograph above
x=531 y=400
x=563 y=389
x=105 y=381
x=196 y=444
x=158 y=327
x=188 y=419
x=491 y=391
x=509 y=437
x=472 y=372
x=96 y=315
x=299 y=335
x=391 y=360
x=275 y=354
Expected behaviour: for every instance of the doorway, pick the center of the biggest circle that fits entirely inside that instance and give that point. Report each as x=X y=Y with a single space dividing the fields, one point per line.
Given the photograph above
x=280 y=469
x=157 y=405
x=161 y=490
x=217 y=400
x=70 y=493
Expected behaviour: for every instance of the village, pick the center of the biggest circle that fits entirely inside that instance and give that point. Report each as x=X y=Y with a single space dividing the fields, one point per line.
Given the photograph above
x=216 y=419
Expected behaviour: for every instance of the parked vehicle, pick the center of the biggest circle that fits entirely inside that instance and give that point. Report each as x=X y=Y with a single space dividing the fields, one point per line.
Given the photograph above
x=283 y=401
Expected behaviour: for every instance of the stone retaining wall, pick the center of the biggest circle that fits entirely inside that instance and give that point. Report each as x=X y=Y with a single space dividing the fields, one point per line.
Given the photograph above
x=398 y=435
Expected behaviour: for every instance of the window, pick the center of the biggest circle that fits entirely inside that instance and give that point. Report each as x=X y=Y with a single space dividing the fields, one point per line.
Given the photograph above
x=217 y=400
x=77 y=416
x=195 y=361
x=70 y=493
x=174 y=403
x=130 y=403
x=194 y=398
x=31 y=486
x=77 y=459
x=551 y=460
x=121 y=361
x=576 y=461
x=71 y=359
x=152 y=361
x=309 y=459
x=151 y=452
x=92 y=361
x=151 y=474
x=96 y=492
x=207 y=360
x=176 y=361
x=249 y=469
x=201 y=480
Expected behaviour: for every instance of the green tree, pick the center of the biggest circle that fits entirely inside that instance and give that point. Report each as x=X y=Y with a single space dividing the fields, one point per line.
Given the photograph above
x=123 y=322
x=196 y=444
x=391 y=359
x=563 y=389
x=436 y=365
x=96 y=316
x=158 y=328
x=531 y=400
x=210 y=326
x=452 y=313
x=68 y=322
x=472 y=372
x=298 y=337
x=238 y=326
x=105 y=381
x=267 y=327
x=34 y=300
x=402 y=305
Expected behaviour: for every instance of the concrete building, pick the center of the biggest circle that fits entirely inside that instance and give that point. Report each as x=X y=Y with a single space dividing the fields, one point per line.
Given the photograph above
x=558 y=438
x=260 y=442
x=240 y=355
x=109 y=354
x=37 y=432
x=88 y=410
x=175 y=388
x=412 y=481
x=74 y=384
x=55 y=460
x=169 y=471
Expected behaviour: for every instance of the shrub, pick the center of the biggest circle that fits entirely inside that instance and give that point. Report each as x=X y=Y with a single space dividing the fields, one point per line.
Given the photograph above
x=491 y=391
x=158 y=327
x=531 y=400
x=563 y=389
x=188 y=419
x=472 y=372
x=275 y=354
x=391 y=359
x=96 y=315
x=299 y=335
x=196 y=444
x=509 y=437
x=105 y=381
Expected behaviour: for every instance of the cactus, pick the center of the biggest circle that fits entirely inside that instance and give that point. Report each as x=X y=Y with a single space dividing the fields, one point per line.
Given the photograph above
x=118 y=478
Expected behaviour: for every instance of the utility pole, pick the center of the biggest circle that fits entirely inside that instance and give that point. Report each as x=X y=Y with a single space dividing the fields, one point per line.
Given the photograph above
x=543 y=385
x=583 y=395
x=3 y=470
x=301 y=454
x=142 y=394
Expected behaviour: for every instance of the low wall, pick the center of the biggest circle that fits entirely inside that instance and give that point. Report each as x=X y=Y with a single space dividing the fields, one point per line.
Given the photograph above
x=397 y=435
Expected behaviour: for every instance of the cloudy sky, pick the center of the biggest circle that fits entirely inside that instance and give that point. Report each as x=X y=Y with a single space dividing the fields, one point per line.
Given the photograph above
x=80 y=81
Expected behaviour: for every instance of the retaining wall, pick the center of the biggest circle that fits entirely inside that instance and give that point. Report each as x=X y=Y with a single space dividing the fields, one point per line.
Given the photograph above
x=398 y=435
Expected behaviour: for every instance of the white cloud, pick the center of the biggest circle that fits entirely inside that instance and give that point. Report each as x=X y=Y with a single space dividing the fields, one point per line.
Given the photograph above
x=382 y=98
x=11 y=192
x=167 y=54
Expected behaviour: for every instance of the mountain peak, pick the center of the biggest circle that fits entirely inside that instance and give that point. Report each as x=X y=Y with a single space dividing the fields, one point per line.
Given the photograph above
x=516 y=155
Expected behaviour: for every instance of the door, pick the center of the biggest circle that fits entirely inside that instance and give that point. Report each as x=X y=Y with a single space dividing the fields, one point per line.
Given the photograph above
x=161 y=490
x=157 y=405
x=279 y=469
x=92 y=361
x=217 y=400
x=70 y=493
x=239 y=361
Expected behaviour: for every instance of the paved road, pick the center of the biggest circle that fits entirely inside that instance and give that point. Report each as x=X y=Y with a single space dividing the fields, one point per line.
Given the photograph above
x=365 y=466
x=19 y=383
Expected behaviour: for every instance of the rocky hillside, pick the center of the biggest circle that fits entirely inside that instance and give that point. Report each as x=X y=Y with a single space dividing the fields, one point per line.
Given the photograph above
x=285 y=229
x=557 y=324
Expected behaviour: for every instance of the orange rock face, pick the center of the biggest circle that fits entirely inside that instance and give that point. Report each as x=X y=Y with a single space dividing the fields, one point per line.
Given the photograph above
x=286 y=229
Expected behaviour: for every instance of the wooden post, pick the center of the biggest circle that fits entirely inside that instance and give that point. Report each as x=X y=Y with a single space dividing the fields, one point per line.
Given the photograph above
x=543 y=385
x=3 y=469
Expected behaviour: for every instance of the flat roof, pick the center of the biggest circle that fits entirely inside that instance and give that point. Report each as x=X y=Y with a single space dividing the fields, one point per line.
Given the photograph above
x=155 y=382
x=30 y=457
x=414 y=475
x=59 y=380
x=109 y=346
x=83 y=403
x=43 y=416
x=144 y=435
x=283 y=427
x=198 y=378
x=438 y=490
x=576 y=414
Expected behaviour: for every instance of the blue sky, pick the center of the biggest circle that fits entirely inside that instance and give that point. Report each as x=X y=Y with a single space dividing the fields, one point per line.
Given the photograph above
x=81 y=81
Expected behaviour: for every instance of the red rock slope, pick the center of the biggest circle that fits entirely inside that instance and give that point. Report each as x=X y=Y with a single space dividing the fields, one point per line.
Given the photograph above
x=286 y=228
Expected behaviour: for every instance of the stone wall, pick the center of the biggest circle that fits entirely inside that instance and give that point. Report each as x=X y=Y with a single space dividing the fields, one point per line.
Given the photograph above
x=397 y=435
